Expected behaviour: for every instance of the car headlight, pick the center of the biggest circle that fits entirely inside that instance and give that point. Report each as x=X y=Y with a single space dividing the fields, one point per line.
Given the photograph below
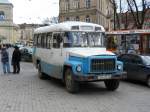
x=78 y=68
x=119 y=67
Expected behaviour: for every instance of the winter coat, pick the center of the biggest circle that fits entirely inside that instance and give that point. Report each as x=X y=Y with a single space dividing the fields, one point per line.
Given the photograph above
x=16 y=57
x=4 y=56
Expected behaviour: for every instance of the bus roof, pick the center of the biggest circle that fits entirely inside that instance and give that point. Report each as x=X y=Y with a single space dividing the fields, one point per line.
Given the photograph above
x=71 y=26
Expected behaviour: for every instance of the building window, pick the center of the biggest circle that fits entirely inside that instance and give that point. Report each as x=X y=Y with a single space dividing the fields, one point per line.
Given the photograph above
x=74 y=4
x=67 y=18
x=2 y=15
x=87 y=19
x=87 y=3
x=66 y=5
x=77 y=18
x=77 y=4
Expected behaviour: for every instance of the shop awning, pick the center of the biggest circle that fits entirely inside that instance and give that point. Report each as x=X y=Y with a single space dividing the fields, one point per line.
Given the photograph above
x=128 y=32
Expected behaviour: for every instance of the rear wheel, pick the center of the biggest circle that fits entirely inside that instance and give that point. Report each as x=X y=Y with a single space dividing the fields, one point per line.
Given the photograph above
x=148 y=81
x=41 y=75
x=112 y=84
x=72 y=86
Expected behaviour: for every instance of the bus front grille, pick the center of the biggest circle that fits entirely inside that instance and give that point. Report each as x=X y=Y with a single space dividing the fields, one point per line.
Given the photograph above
x=102 y=65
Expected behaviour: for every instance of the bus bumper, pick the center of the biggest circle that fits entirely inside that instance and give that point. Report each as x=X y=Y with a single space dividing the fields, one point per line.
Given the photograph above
x=100 y=77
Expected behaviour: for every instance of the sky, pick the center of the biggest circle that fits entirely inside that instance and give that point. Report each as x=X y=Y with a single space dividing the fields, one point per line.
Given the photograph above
x=34 y=11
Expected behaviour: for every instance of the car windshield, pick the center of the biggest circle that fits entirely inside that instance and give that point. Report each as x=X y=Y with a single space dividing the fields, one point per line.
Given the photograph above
x=146 y=60
x=84 y=39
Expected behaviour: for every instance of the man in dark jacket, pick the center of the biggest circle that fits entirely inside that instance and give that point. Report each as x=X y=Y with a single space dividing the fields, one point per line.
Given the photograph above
x=16 y=58
x=5 y=60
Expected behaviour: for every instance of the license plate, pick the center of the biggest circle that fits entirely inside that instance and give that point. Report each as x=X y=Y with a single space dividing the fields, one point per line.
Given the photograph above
x=104 y=77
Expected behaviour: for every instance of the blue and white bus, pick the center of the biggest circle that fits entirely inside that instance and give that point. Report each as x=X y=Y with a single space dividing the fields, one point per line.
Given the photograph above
x=75 y=52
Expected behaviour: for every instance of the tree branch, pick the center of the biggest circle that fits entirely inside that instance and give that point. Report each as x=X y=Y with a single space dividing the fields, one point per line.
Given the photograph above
x=132 y=12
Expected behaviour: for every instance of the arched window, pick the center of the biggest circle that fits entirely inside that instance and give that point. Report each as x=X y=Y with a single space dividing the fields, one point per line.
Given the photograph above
x=2 y=15
x=87 y=3
x=87 y=19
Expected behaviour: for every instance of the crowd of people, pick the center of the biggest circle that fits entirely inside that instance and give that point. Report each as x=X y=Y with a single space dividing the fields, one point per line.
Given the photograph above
x=15 y=60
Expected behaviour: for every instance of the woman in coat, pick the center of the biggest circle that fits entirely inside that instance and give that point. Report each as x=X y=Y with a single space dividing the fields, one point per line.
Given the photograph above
x=16 y=58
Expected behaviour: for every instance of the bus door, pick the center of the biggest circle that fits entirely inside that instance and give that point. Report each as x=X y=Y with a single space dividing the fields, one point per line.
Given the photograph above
x=56 y=54
x=43 y=51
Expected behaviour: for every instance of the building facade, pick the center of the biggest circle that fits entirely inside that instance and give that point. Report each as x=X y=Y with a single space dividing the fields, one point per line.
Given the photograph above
x=6 y=21
x=25 y=32
x=95 y=11
x=128 y=22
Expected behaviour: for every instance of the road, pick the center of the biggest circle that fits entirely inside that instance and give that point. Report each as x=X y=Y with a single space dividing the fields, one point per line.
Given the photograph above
x=27 y=93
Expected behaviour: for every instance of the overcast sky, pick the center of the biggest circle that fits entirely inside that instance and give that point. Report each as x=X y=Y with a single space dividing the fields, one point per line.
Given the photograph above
x=34 y=11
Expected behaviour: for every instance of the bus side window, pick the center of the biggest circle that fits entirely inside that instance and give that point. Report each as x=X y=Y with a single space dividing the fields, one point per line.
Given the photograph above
x=39 y=41
x=42 y=40
x=49 y=37
x=35 y=40
x=57 y=39
x=54 y=40
x=67 y=41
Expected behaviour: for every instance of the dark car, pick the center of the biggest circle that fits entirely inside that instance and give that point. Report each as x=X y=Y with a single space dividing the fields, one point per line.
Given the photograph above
x=26 y=53
x=137 y=67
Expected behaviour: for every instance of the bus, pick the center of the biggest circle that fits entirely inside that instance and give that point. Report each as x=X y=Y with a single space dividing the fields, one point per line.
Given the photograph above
x=75 y=52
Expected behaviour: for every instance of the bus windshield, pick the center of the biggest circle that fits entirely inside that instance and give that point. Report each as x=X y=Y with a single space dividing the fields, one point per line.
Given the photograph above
x=84 y=39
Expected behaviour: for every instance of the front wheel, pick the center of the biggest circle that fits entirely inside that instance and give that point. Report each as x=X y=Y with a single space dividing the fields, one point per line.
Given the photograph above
x=72 y=86
x=41 y=75
x=112 y=84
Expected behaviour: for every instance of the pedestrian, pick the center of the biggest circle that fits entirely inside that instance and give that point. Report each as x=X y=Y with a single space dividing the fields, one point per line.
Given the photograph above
x=5 y=60
x=16 y=58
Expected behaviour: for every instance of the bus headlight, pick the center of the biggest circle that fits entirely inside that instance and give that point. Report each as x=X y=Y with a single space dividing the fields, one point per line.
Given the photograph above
x=78 y=68
x=119 y=67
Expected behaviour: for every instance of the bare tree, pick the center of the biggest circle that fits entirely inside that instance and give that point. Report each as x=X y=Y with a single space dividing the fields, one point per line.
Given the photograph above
x=138 y=12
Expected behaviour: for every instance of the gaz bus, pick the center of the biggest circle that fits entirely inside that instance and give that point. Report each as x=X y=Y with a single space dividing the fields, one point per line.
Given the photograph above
x=75 y=52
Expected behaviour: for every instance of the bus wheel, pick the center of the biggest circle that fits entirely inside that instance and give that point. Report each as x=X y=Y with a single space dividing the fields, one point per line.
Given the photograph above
x=111 y=84
x=72 y=86
x=40 y=74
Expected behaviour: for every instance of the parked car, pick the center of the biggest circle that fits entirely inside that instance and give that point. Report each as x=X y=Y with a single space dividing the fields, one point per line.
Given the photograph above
x=26 y=53
x=19 y=45
x=137 y=67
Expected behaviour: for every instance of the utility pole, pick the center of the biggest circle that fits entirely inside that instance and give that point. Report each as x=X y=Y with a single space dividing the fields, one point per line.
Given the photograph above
x=120 y=14
x=114 y=19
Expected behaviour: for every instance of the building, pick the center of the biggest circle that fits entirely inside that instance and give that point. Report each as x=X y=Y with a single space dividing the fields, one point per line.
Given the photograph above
x=6 y=21
x=25 y=32
x=95 y=11
x=128 y=22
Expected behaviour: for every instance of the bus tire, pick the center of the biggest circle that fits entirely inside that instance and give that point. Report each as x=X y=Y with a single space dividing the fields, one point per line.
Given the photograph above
x=41 y=75
x=72 y=86
x=112 y=85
